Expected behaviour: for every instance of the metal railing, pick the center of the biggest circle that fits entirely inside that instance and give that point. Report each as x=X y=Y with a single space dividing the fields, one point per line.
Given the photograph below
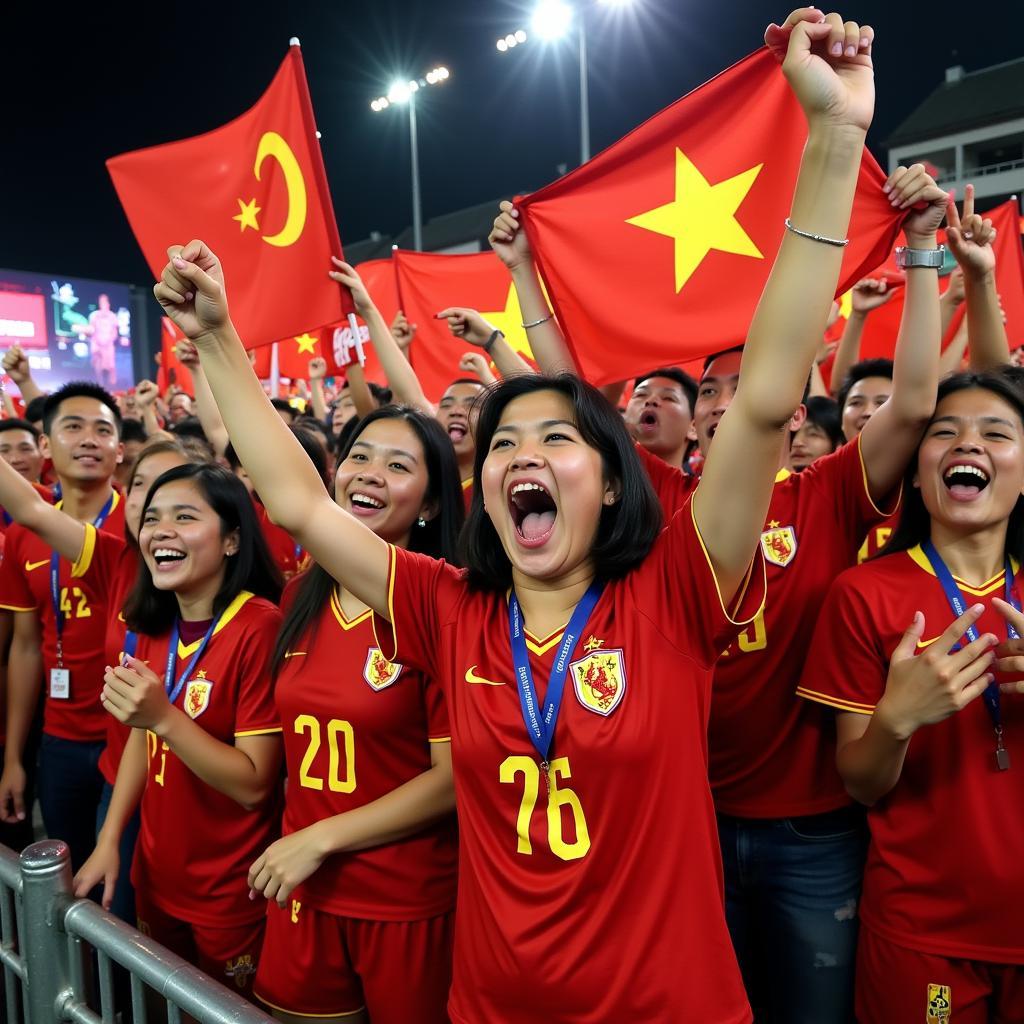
x=54 y=947
x=970 y=173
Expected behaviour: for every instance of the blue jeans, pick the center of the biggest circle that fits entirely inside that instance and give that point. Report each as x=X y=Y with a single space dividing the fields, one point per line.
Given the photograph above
x=792 y=887
x=69 y=787
x=124 y=895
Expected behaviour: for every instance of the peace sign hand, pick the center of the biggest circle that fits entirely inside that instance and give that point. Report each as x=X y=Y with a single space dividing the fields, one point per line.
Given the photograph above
x=970 y=238
x=1010 y=653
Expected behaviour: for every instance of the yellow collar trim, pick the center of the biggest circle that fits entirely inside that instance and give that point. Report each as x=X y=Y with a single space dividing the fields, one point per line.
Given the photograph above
x=975 y=589
x=467 y=483
x=229 y=613
x=113 y=504
x=783 y=474
x=339 y=613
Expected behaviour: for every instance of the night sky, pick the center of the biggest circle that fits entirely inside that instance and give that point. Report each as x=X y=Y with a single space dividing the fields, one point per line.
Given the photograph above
x=80 y=83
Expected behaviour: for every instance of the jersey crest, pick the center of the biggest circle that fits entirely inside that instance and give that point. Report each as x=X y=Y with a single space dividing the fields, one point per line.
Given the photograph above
x=378 y=671
x=197 y=697
x=940 y=1004
x=241 y=968
x=599 y=681
x=779 y=544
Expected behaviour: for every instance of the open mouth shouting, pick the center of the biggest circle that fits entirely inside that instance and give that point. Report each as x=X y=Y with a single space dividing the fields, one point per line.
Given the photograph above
x=167 y=558
x=648 y=421
x=457 y=430
x=965 y=481
x=533 y=512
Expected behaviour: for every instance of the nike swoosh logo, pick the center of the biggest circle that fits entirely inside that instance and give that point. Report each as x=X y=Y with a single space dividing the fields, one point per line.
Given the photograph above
x=472 y=677
x=29 y=566
x=926 y=643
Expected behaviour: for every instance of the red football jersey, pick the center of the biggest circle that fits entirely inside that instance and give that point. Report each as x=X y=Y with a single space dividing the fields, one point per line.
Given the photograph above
x=672 y=486
x=773 y=756
x=943 y=871
x=876 y=539
x=196 y=845
x=122 y=582
x=602 y=898
x=287 y=555
x=357 y=727
x=85 y=600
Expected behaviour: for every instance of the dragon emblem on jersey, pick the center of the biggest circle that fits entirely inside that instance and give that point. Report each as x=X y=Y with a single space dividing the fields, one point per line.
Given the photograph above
x=779 y=545
x=241 y=968
x=940 y=1004
x=197 y=697
x=378 y=671
x=599 y=681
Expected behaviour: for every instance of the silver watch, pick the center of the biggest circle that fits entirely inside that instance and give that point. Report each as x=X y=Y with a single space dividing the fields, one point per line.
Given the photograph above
x=907 y=257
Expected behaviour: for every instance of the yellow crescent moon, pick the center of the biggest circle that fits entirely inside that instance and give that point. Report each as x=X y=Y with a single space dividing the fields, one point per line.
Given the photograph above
x=271 y=144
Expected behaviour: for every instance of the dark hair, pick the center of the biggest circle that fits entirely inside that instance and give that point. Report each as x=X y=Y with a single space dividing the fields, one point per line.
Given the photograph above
x=626 y=530
x=438 y=538
x=151 y=611
x=188 y=426
x=283 y=405
x=133 y=430
x=344 y=437
x=16 y=424
x=914 y=526
x=686 y=383
x=34 y=409
x=313 y=449
x=861 y=371
x=310 y=423
x=78 y=389
x=824 y=413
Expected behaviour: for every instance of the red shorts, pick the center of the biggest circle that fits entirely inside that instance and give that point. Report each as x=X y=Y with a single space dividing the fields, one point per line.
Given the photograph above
x=228 y=954
x=896 y=985
x=319 y=965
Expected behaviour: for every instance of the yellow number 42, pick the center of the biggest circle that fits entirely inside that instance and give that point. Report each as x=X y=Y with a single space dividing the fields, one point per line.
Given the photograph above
x=557 y=799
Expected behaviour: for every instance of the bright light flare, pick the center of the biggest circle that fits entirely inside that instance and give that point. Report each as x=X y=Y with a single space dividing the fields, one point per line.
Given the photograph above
x=551 y=19
x=616 y=3
x=502 y=45
x=399 y=92
x=520 y=36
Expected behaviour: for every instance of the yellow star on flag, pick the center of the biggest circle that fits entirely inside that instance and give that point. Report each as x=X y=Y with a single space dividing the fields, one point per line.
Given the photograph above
x=701 y=217
x=846 y=304
x=510 y=322
x=306 y=343
x=246 y=215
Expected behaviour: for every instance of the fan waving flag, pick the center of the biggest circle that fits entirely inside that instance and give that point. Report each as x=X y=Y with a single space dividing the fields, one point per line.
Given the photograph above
x=658 y=249
x=430 y=282
x=256 y=192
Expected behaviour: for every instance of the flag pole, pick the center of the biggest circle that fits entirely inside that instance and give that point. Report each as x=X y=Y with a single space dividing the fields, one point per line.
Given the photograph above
x=275 y=372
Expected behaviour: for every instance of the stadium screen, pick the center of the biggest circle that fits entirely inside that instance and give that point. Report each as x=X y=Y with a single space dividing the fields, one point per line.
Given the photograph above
x=69 y=328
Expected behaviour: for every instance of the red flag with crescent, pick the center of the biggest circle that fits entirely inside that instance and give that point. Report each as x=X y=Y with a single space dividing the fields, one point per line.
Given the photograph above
x=255 y=191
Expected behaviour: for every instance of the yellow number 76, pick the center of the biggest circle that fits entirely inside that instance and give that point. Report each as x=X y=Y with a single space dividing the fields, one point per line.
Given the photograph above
x=557 y=799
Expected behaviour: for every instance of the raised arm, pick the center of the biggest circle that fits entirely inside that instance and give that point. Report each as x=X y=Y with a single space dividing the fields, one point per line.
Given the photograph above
x=970 y=240
x=891 y=436
x=402 y=379
x=317 y=372
x=837 y=95
x=205 y=407
x=285 y=479
x=25 y=505
x=952 y=357
x=547 y=343
x=867 y=294
x=469 y=325
x=16 y=367
x=146 y=394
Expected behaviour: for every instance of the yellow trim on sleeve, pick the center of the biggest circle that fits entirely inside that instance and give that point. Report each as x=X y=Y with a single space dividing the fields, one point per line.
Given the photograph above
x=260 y=732
x=782 y=474
x=84 y=560
x=718 y=589
x=867 y=487
x=835 y=702
x=229 y=613
x=392 y=569
x=18 y=608
x=439 y=739
x=308 y=1016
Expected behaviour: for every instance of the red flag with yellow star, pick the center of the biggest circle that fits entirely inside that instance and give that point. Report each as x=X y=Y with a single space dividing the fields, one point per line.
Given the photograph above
x=658 y=249
x=256 y=192
x=430 y=282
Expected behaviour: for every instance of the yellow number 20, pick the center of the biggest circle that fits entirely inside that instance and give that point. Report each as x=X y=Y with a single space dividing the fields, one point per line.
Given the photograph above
x=557 y=799
x=336 y=784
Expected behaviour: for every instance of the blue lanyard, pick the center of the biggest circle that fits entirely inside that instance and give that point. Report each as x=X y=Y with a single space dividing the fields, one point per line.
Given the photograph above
x=174 y=689
x=131 y=642
x=58 y=612
x=541 y=724
x=956 y=602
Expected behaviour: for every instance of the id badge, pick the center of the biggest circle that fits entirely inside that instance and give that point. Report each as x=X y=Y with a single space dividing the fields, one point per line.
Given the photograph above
x=60 y=683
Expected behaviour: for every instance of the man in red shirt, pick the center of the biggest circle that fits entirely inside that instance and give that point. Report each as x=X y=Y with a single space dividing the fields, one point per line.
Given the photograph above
x=59 y=622
x=659 y=413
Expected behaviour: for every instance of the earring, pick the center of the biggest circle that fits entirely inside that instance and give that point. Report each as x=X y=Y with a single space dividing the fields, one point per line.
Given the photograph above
x=421 y=521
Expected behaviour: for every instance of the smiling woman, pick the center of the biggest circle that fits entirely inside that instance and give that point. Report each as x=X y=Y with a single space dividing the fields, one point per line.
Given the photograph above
x=886 y=657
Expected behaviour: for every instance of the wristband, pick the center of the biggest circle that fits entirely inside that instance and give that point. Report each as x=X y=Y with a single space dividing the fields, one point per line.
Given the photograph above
x=489 y=343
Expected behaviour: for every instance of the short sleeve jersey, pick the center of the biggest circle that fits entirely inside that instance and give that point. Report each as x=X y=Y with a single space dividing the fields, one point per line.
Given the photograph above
x=286 y=554
x=196 y=844
x=84 y=594
x=943 y=870
x=672 y=486
x=356 y=727
x=773 y=756
x=578 y=902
